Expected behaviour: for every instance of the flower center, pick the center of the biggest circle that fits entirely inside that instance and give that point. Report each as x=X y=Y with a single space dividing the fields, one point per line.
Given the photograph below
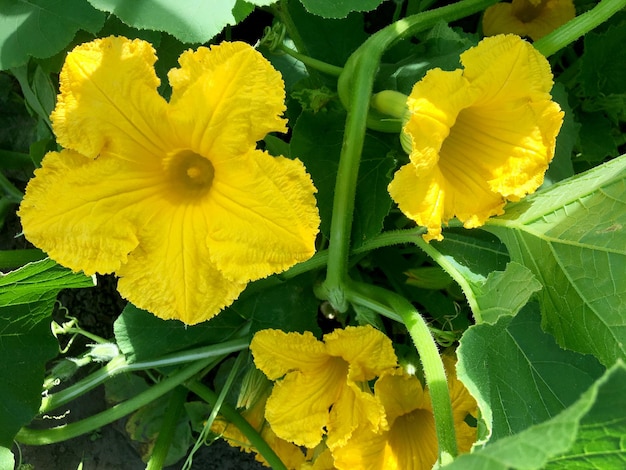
x=191 y=173
x=528 y=11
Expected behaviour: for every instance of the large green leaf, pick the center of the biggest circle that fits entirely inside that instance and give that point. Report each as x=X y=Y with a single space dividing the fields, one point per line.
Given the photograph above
x=548 y=444
x=572 y=237
x=519 y=375
x=41 y=28
x=191 y=21
x=338 y=8
x=27 y=297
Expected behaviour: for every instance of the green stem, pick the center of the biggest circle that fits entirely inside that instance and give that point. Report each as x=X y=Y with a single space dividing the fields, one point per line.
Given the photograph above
x=454 y=273
x=311 y=62
x=175 y=408
x=69 y=431
x=119 y=365
x=572 y=30
x=355 y=88
x=426 y=346
x=246 y=428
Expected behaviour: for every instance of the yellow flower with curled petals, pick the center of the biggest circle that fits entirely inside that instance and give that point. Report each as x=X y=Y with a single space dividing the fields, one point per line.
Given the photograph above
x=321 y=387
x=174 y=198
x=479 y=136
x=532 y=18
x=410 y=443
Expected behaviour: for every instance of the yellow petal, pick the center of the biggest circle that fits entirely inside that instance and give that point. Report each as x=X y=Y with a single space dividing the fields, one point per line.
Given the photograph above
x=422 y=197
x=368 y=351
x=463 y=404
x=267 y=214
x=504 y=69
x=109 y=100
x=354 y=408
x=242 y=98
x=401 y=394
x=276 y=352
x=81 y=217
x=529 y=18
x=170 y=273
x=298 y=409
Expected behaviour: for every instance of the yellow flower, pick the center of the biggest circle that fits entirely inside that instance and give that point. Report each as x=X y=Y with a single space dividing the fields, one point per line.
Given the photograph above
x=532 y=18
x=323 y=385
x=410 y=443
x=173 y=197
x=479 y=136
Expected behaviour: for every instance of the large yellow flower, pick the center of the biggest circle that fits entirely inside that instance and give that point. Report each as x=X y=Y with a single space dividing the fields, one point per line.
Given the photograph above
x=173 y=197
x=532 y=18
x=410 y=443
x=479 y=136
x=322 y=386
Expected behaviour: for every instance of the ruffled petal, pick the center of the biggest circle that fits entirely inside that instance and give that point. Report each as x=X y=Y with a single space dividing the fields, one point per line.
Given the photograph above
x=368 y=351
x=354 y=408
x=423 y=197
x=277 y=353
x=401 y=394
x=81 y=217
x=505 y=69
x=170 y=273
x=298 y=408
x=109 y=100
x=265 y=213
x=434 y=105
x=242 y=98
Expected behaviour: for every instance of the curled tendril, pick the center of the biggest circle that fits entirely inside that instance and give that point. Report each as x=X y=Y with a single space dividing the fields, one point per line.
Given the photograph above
x=273 y=37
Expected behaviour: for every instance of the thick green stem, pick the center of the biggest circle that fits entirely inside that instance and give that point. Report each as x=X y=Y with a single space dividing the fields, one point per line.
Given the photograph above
x=572 y=30
x=119 y=365
x=355 y=88
x=426 y=346
x=175 y=408
x=234 y=417
x=69 y=431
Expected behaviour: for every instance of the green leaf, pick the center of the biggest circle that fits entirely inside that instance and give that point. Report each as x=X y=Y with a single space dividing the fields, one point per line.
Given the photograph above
x=338 y=8
x=36 y=280
x=192 y=21
x=41 y=28
x=505 y=292
x=26 y=345
x=6 y=458
x=571 y=236
x=27 y=298
x=536 y=447
x=475 y=260
x=317 y=140
x=600 y=439
x=289 y=306
x=328 y=40
x=603 y=68
x=142 y=336
x=518 y=373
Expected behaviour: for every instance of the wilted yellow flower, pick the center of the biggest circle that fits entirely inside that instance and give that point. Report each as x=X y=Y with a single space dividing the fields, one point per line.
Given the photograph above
x=410 y=443
x=173 y=197
x=321 y=387
x=532 y=18
x=479 y=136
